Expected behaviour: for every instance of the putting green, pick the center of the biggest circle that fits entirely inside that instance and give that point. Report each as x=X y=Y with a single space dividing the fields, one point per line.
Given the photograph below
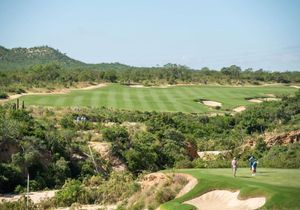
x=171 y=99
x=281 y=187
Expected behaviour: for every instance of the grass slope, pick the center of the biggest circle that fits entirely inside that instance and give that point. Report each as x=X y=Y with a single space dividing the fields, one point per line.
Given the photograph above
x=174 y=99
x=281 y=187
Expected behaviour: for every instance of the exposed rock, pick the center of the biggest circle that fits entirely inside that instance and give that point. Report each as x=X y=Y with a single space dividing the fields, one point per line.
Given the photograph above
x=285 y=138
x=210 y=155
x=192 y=149
x=7 y=149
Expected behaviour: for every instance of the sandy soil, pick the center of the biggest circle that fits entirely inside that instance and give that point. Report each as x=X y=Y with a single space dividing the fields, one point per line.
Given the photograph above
x=89 y=207
x=104 y=149
x=36 y=197
x=62 y=91
x=239 y=109
x=225 y=200
x=295 y=86
x=211 y=103
x=192 y=182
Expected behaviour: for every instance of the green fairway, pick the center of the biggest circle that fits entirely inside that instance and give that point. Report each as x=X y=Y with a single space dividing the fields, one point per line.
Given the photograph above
x=281 y=187
x=171 y=99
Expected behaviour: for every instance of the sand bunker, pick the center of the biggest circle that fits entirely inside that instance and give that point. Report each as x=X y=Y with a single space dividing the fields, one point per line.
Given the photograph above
x=212 y=103
x=239 y=109
x=137 y=86
x=254 y=100
x=225 y=200
x=259 y=100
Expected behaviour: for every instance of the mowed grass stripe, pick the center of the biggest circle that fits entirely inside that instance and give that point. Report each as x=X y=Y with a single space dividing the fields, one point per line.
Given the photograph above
x=159 y=99
x=126 y=95
x=61 y=101
x=142 y=99
x=168 y=100
x=119 y=97
x=95 y=98
x=156 y=95
x=136 y=103
x=187 y=100
x=153 y=100
x=179 y=99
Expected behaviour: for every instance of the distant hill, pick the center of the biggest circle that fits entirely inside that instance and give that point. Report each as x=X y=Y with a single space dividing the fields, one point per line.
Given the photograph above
x=22 y=58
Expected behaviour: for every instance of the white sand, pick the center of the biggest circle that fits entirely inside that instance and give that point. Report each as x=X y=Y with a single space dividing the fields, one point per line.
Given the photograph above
x=225 y=200
x=212 y=103
x=271 y=99
x=255 y=100
x=203 y=154
x=239 y=109
x=36 y=197
x=137 y=86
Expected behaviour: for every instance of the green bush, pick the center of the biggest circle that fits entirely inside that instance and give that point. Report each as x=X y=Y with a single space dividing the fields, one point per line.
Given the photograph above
x=67 y=121
x=3 y=95
x=70 y=193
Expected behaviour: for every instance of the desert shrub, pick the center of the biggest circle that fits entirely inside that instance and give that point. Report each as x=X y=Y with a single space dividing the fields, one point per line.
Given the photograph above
x=20 y=204
x=70 y=193
x=282 y=156
x=164 y=195
x=185 y=163
x=67 y=121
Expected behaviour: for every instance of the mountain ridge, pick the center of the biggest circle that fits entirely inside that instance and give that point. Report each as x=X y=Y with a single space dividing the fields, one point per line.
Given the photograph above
x=22 y=58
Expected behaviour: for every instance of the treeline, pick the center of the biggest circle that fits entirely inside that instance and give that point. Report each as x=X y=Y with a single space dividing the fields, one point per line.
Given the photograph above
x=53 y=76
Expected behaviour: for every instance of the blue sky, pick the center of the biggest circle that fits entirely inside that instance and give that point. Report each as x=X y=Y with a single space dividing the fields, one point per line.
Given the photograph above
x=197 y=33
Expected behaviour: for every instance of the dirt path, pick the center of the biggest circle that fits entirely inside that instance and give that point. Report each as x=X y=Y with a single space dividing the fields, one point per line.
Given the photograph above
x=62 y=91
x=36 y=197
x=225 y=200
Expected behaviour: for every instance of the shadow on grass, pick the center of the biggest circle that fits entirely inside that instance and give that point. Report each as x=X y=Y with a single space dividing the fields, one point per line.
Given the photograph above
x=244 y=177
x=265 y=172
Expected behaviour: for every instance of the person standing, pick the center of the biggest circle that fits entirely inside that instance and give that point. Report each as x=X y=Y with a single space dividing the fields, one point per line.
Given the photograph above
x=251 y=160
x=234 y=166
